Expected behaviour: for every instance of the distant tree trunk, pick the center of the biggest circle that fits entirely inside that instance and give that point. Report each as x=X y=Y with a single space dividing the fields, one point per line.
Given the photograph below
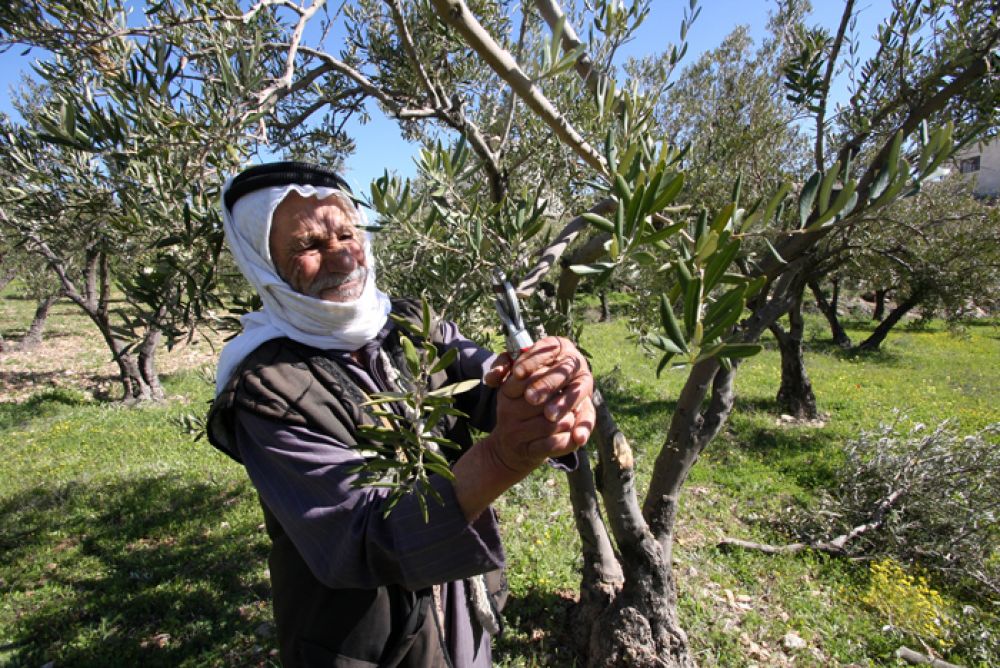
x=829 y=310
x=33 y=337
x=795 y=396
x=605 y=309
x=878 y=336
x=879 y=312
x=147 y=363
x=6 y=276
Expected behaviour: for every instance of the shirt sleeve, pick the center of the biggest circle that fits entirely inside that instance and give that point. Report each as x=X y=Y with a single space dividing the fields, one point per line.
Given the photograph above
x=305 y=478
x=472 y=362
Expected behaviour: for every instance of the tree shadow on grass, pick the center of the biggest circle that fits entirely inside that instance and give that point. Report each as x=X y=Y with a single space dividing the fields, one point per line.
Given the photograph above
x=537 y=631
x=40 y=405
x=766 y=405
x=624 y=401
x=103 y=387
x=879 y=356
x=807 y=454
x=131 y=572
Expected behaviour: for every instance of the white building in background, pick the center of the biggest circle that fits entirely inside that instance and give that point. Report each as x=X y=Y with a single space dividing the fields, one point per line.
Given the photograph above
x=981 y=162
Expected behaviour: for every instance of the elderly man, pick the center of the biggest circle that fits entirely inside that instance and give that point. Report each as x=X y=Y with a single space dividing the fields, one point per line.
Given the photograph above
x=353 y=586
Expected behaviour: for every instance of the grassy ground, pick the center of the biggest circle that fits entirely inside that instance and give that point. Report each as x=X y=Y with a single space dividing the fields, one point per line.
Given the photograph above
x=122 y=542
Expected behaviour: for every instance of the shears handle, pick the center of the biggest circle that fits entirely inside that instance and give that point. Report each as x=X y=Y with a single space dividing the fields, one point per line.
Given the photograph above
x=509 y=309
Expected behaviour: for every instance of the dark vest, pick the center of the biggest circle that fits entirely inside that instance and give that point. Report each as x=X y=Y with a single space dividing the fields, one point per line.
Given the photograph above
x=318 y=626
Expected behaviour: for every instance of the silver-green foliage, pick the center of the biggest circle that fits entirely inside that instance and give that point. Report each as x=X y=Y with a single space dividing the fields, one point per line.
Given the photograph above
x=402 y=449
x=925 y=493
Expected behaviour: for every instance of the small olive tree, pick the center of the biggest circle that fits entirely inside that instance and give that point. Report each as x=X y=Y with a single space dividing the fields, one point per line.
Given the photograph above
x=97 y=183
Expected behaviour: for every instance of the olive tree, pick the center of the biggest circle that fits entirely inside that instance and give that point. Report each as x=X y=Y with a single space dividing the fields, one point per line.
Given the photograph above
x=99 y=184
x=938 y=251
x=923 y=64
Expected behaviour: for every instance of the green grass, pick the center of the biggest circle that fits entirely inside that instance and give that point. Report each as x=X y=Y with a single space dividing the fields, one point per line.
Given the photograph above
x=756 y=470
x=122 y=542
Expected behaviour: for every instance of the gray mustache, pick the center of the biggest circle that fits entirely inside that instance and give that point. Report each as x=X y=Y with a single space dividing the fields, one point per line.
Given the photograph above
x=336 y=280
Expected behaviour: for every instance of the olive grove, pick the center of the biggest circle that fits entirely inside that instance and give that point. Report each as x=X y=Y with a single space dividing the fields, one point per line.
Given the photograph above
x=540 y=157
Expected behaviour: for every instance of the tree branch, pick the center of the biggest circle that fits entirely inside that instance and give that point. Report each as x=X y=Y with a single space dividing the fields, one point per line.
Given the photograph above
x=618 y=482
x=411 y=51
x=831 y=65
x=598 y=553
x=552 y=13
x=678 y=454
x=284 y=82
x=550 y=255
x=457 y=14
x=916 y=658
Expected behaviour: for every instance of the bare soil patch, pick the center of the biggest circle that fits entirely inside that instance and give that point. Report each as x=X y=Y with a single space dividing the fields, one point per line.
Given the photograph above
x=78 y=359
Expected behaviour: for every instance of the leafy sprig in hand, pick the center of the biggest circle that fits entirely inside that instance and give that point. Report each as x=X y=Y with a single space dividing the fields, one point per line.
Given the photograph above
x=404 y=448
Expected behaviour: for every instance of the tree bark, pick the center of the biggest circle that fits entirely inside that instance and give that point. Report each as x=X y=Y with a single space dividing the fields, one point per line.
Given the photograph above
x=628 y=607
x=795 y=396
x=147 y=363
x=879 y=312
x=601 y=574
x=605 y=309
x=878 y=336
x=640 y=627
x=829 y=311
x=33 y=337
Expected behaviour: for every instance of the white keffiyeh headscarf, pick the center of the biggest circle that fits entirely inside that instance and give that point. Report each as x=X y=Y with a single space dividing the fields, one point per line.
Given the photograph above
x=286 y=313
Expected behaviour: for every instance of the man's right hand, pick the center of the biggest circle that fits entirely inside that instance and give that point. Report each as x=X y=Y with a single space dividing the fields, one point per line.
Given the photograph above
x=544 y=410
x=544 y=406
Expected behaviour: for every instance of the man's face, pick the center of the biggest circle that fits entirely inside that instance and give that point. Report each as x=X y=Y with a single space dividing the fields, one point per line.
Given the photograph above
x=317 y=249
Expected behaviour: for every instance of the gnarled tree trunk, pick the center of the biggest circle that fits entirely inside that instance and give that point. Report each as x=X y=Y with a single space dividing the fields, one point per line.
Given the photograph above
x=640 y=626
x=95 y=301
x=33 y=337
x=627 y=615
x=879 y=312
x=795 y=396
x=882 y=331
x=829 y=311
x=6 y=276
x=147 y=362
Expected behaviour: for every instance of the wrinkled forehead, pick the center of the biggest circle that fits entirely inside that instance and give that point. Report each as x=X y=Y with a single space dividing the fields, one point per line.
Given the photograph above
x=249 y=227
x=298 y=212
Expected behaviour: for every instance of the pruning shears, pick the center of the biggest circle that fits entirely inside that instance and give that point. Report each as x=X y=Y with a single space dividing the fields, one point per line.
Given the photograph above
x=509 y=309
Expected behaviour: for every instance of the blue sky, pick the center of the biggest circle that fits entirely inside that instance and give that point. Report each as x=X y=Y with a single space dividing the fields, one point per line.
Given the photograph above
x=379 y=142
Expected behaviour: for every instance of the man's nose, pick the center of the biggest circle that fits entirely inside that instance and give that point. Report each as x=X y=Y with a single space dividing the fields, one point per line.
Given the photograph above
x=340 y=260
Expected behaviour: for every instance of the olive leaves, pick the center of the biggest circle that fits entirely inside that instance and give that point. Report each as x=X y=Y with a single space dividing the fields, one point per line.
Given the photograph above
x=832 y=195
x=710 y=298
x=405 y=446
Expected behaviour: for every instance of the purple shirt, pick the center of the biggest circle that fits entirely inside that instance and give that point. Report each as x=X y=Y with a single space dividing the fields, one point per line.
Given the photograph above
x=305 y=479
